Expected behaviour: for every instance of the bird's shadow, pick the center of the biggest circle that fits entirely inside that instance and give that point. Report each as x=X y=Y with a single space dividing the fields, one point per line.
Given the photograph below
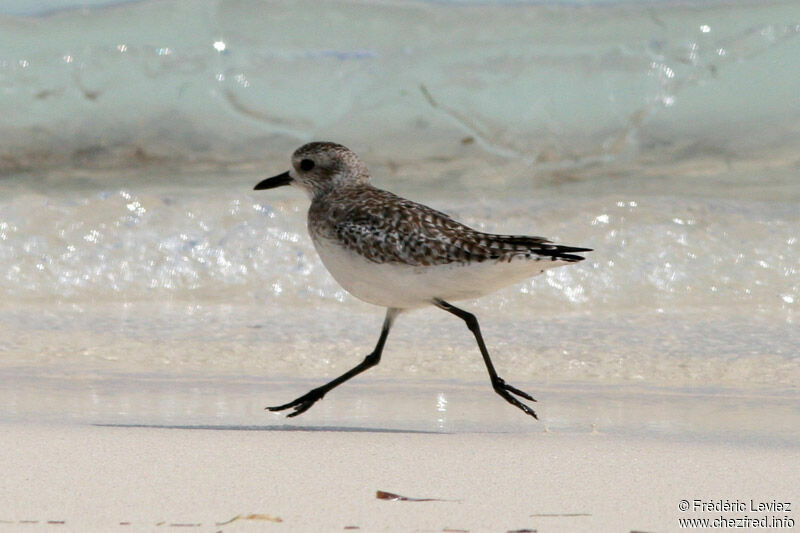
x=282 y=427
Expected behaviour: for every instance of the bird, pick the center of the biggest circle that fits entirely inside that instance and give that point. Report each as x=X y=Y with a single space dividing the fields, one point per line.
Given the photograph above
x=402 y=255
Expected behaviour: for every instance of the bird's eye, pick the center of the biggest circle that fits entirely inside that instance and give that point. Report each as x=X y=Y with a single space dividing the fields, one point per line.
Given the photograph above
x=306 y=165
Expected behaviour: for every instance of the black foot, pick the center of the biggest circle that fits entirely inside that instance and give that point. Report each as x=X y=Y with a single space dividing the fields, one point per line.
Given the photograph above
x=301 y=404
x=503 y=389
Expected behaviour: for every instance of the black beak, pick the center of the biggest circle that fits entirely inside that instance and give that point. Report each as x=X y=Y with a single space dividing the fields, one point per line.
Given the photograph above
x=277 y=181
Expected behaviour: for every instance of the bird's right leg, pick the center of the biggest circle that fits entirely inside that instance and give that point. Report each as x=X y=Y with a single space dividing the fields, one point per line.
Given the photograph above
x=304 y=402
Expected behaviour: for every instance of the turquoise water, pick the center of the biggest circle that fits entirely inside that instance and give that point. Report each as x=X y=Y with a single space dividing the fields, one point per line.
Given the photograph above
x=663 y=135
x=555 y=85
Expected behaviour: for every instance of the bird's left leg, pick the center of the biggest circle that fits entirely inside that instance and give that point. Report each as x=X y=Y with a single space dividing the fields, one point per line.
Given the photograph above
x=500 y=387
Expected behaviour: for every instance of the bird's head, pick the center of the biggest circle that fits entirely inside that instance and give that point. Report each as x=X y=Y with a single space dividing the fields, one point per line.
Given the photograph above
x=319 y=167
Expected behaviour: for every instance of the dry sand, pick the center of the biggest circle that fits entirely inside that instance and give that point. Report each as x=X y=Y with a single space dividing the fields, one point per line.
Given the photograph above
x=76 y=477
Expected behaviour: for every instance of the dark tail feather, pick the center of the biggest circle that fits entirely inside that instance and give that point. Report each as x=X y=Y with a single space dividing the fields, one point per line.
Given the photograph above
x=542 y=246
x=562 y=253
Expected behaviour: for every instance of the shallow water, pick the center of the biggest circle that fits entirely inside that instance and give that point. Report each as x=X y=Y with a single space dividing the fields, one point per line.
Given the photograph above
x=580 y=82
x=692 y=293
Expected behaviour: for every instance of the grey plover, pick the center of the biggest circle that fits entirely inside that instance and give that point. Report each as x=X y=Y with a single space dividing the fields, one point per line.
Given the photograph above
x=392 y=252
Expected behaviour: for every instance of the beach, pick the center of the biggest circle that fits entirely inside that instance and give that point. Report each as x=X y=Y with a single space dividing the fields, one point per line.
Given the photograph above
x=293 y=478
x=203 y=455
x=153 y=303
x=138 y=358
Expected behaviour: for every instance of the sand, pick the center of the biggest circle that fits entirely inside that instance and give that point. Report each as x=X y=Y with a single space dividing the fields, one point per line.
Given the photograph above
x=81 y=477
x=154 y=452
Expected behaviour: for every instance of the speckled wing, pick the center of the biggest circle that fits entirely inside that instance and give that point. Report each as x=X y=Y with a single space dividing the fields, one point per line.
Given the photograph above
x=384 y=228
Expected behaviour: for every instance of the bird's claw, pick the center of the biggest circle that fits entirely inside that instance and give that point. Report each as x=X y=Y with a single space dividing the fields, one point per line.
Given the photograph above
x=503 y=389
x=301 y=404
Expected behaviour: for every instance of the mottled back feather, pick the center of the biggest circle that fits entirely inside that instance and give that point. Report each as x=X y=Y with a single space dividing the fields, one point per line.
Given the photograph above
x=384 y=228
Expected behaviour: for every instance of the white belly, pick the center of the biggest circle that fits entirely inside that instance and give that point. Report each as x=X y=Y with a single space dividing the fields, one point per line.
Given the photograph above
x=404 y=287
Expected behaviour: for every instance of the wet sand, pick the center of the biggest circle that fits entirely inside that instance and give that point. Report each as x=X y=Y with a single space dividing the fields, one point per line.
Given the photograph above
x=173 y=469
